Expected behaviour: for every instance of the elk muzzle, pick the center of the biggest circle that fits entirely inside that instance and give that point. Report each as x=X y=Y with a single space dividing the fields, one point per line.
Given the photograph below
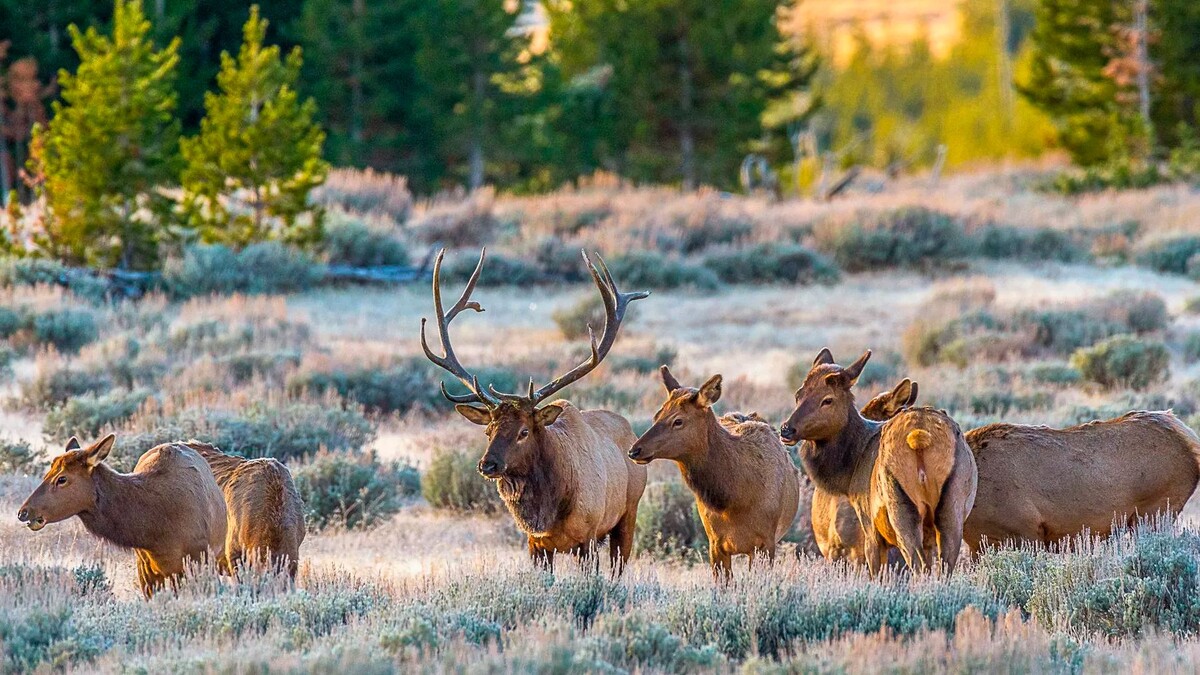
x=490 y=468
x=636 y=455
x=787 y=434
x=33 y=522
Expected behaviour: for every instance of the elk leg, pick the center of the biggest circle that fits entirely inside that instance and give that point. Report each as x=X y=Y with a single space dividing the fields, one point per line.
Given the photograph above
x=722 y=564
x=906 y=522
x=620 y=542
x=543 y=558
x=949 y=535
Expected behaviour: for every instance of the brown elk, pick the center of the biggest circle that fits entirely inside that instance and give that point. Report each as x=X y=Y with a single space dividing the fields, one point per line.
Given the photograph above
x=835 y=525
x=911 y=480
x=562 y=472
x=169 y=510
x=747 y=490
x=1089 y=475
x=1042 y=485
x=265 y=513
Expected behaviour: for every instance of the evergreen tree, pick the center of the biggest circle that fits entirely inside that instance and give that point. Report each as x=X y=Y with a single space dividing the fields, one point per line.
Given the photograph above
x=258 y=154
x=1074 y=42
x=112 y=143
x=690 y=79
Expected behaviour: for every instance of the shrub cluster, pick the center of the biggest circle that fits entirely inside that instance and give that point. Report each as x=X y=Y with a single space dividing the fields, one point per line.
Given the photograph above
x=86 y=415
x=1123 y=361
x=352 y=490
x=266 y=267
x=905 y=237
x=1021 y=243
x=668 y=523
x=646 y=270
x=407 y=385
x=350 y=240
x=18 y=457
x=366 y=191
x=772 y=264
x=1174 y=255
x=452 y=482
x=40 y=271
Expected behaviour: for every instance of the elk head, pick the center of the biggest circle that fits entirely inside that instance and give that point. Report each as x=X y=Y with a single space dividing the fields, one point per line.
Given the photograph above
x=515 y=424
x=67 y=489
x=885 y=406
x=681 y=424
x=824 y=402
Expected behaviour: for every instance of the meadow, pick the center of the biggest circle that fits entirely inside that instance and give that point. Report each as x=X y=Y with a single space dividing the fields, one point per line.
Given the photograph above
x=1004 y=301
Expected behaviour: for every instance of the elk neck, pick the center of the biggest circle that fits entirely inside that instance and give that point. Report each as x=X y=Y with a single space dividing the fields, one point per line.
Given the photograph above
x=843 y=464
x=543 y=495
x=709 y=470
x=127 y=513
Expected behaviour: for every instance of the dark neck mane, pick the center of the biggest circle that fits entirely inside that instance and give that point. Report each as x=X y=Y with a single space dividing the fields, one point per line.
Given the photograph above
x=541 y=498
x=127 y=513
x=842 y=465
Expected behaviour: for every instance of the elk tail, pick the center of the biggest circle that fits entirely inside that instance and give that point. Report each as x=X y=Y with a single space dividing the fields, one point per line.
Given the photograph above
x=920 y=441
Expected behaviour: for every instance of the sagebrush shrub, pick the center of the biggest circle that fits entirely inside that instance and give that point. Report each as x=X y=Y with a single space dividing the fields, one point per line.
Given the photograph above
x=352 y=490
x=55 y=385
x=399 y=388
x=1169 y=255
x=646 y=270
x=1028 y=244
x=498 y=270
x=69 y=330
x=366 y=191
x=668 y=523
x=265 y=267
x=85 y=416
x=18 y=457
x=452 y=482
x=904 y=237
x=1123 y=361
x=352 y=241
x=772 y=264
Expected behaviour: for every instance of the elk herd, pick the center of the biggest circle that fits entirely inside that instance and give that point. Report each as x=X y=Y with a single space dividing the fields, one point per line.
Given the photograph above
x=894 y=481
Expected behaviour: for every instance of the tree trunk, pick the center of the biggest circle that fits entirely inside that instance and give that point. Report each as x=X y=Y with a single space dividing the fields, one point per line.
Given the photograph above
x=357 y=68
x=687 y=134
x=1141 y=9
x=6 y=184
x=478 y=92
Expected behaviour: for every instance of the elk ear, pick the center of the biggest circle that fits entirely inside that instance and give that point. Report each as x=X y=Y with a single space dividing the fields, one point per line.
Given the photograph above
x=912 y=395
x=73 y=444
x=668 y=379
x=824 y=358
x=548 y=415
x=474 y=415
x=903 y=395
x=710 y=392
x=100 y=449
x=856 y=368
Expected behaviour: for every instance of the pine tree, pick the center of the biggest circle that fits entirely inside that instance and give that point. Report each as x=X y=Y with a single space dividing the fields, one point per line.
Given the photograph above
x=112 y=143
x=258 y=154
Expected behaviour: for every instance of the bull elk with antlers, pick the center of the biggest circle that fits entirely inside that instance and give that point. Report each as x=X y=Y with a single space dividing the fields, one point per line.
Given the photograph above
x=562 y=472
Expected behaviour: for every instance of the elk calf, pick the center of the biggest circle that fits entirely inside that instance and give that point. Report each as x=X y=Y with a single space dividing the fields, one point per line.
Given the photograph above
x=747 y=490
x=265 y=513
x=169 y=510
x=911 y=480
x=835 y=526
x=562 y=472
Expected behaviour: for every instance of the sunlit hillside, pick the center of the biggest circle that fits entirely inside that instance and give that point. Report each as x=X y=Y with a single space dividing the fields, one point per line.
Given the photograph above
x=838 y=26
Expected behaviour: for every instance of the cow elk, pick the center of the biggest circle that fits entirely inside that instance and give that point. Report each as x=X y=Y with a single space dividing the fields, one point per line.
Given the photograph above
x=835 y=525
x=265 y=513
x=1038 y=484
x=911 y=480
x=169 y=510
x=562 y=472
x=747 y=489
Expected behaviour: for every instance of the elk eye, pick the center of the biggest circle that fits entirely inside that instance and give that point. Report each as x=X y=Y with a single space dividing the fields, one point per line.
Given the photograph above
x=828 y=401
x=677 y=423
x=62 y=480
x=522 y=434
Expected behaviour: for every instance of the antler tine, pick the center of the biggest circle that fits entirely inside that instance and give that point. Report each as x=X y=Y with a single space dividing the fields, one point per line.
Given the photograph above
x=513 y=397
x=450 y=362
x=615 y=304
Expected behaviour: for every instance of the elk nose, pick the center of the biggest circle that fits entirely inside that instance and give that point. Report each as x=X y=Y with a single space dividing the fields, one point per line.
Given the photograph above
x=786 y=432
x=636 y=452
x=23 y=515
x=489 y=467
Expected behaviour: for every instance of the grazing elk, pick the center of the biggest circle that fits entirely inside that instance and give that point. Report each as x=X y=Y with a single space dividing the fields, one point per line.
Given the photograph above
x=265 y=513
x=835 y=525
x=911 y=480
x=1040 y=484
x=1087 y=476
x=747 y=489
x=562 y=472
x=169 y=510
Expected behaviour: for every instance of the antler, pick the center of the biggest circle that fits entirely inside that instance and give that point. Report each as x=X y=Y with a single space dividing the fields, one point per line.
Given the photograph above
x=450 y=362
x=615 y=304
